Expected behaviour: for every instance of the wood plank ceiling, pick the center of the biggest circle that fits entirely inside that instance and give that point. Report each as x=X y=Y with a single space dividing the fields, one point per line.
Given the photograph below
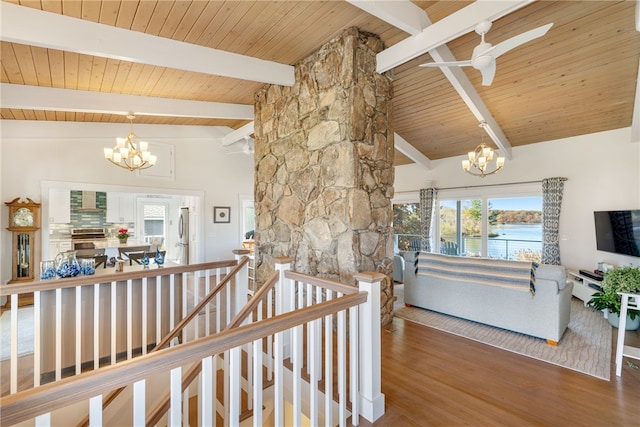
x=580 y=78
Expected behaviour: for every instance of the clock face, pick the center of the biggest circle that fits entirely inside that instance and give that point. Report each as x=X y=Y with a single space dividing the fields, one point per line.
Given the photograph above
x=23 y=217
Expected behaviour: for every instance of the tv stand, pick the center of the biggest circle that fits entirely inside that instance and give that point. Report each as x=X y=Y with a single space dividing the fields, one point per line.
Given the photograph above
x=583 y=287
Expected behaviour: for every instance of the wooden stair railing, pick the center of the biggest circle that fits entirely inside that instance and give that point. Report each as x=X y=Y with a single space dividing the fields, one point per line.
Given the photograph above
x=26 y=405
x=178 y=328
x=158 y=412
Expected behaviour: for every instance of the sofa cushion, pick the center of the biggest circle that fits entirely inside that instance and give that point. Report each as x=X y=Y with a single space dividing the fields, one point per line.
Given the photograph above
x=555 y=273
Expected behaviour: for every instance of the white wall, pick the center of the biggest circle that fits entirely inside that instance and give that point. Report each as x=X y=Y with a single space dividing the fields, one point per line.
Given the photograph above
x=603 y=172
x=32 y=152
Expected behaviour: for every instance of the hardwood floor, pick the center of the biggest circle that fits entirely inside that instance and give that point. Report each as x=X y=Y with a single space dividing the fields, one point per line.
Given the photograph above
x=433 y=378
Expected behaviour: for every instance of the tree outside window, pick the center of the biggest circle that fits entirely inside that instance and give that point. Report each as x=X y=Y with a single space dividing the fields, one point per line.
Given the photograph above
x=406 y=225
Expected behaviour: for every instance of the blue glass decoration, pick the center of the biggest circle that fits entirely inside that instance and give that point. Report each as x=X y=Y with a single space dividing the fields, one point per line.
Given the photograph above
x=47 y=270
x=159 y=259
x=67 y=266
x=145 y=260
x=88 y=266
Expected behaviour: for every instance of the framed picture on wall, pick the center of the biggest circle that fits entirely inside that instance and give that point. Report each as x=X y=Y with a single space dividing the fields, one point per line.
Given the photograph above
x=221 y=214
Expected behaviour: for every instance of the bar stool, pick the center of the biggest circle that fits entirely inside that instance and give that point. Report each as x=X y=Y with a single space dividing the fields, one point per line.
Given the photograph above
x=629 y=301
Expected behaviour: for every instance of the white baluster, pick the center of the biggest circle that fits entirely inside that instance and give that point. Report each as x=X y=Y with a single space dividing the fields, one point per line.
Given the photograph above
x=206 y=399
x=78 y=329
x=207 y=309
x=278 y=384
x=37 y=350
x=353 y=362
x=328 y=369
x=96 y=326
x=175 y=407
x=43 y=420
x=114 y=304
x=257 y=383
x=139 y=403
x=95 y=411
x=172 y=302
x=184 y=286
x=58 y=334
x=297 y=352
x=145 y=314
x=14 y=344
x=234 y=372
x=342 y=368
x=270 y=338
x=158 y=309
x=314 y=349
x=129 y=319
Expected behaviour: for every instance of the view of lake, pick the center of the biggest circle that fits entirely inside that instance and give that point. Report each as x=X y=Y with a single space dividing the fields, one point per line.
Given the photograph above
x=511 y=239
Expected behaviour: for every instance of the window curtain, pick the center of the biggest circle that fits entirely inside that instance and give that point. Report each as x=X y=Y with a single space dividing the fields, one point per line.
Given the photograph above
x=552 y=189
x=427 y=200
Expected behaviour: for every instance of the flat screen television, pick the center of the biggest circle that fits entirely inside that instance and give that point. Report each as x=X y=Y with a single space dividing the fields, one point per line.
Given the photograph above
x=618 y=231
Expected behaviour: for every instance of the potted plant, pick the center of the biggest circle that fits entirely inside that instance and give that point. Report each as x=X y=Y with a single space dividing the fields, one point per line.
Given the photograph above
x=623 y=279
x=123 y=235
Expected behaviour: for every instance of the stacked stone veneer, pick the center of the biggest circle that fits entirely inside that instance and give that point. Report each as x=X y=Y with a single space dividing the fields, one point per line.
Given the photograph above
x=324 y=167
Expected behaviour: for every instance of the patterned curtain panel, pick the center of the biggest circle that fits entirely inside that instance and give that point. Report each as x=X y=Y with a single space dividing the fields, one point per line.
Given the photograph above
x=551 y=202
x=427 y=200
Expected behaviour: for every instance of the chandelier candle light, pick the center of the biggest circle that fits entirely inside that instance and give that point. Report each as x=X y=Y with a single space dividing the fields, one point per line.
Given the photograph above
x=130 y=153
x=480 y=158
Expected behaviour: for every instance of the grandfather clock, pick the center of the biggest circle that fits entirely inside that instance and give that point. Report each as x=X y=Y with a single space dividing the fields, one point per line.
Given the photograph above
x=24 y=221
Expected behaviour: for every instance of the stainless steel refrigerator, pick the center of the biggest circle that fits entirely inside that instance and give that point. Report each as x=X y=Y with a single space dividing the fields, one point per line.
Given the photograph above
x=183 y=237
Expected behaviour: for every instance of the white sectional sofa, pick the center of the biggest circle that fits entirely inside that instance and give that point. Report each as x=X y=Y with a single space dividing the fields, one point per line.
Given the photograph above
x=544 y=314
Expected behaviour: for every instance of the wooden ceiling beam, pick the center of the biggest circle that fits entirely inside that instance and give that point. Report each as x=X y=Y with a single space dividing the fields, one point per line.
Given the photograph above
x=238 y=134
x=401 y=14
x=411 y=152
x=445 y=30
x=635 y=120
x=407 y=16
x=30 y=26
x=55 y=99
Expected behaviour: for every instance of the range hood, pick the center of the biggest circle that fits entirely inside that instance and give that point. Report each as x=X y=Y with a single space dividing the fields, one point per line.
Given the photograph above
x=89 y=202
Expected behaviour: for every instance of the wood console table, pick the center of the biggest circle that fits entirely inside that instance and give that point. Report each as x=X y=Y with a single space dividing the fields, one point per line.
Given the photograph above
x=629 y=301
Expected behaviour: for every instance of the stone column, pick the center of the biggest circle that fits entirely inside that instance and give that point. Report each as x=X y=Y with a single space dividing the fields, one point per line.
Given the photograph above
x=324 y=167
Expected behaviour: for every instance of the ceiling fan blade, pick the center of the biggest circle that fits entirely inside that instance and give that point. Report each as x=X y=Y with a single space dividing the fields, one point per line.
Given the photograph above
x=447 y=64
x=516 y=41
x=488 y=73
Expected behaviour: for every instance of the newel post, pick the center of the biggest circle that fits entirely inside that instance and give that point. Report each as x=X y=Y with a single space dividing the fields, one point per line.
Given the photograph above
x=371 y=397
x=283 y=297
x=241 y=294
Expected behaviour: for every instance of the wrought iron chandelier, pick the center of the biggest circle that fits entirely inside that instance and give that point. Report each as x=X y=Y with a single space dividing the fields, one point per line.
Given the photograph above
x=479 y=160
x=130 y=153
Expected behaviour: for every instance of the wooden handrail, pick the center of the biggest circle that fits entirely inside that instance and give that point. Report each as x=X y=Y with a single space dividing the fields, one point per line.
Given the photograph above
x=185 y=321
x=158 y=412
x=28 y=404
x=72 y=282
x=252 y=304
x=321 y=282
x=176 y=330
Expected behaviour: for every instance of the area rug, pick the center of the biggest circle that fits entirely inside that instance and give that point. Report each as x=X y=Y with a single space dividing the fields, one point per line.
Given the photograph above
x=585 y=346
x=25 y=333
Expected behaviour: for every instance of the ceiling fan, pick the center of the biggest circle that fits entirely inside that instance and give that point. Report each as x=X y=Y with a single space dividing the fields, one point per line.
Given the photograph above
x=247 y=147
x=484 y=55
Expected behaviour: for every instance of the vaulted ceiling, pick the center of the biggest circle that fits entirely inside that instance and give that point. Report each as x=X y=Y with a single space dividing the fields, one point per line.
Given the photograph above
x=200 y=63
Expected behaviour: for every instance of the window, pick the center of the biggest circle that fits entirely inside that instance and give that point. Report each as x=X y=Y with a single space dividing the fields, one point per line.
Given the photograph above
x=495 y=227
x=154 y=221
x=406 y=226
x=248 y=217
